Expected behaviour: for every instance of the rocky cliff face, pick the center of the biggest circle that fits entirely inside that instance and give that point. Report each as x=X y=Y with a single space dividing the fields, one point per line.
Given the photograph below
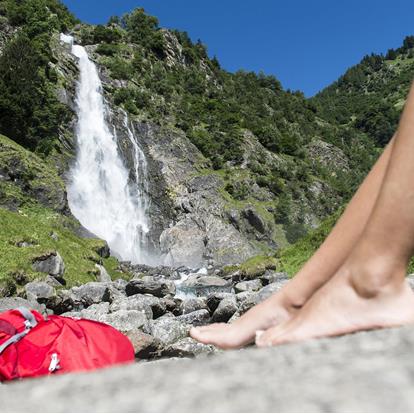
x=190 y=224
x=195 y=217
x=236 y=165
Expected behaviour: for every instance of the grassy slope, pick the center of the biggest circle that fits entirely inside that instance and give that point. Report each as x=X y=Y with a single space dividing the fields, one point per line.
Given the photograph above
x=292 y=258
x=35 y=226
x=34 y=223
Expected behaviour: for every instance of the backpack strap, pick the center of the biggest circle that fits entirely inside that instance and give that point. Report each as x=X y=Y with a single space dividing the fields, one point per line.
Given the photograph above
x=30 y=322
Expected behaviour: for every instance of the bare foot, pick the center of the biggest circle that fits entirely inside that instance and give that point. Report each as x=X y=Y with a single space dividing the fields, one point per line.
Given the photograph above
x=269 y=313
x=343 y=306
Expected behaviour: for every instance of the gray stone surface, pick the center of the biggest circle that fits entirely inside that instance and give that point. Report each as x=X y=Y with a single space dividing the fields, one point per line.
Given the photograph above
x=39 y=291
x=16 y=302
x=196 y=318
x=167 y=330
x=248 y=285
x=90 y=293
x=151 y=286
x=368 y=372
x=225 y=310
x=51 y=263
x=193 y=304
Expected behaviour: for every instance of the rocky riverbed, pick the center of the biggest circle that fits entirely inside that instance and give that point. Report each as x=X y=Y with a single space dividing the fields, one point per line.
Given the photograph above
x=157 y=307
x=369 y=371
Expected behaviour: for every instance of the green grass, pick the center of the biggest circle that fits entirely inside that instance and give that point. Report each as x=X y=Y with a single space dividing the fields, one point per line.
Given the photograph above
x=292 y=258
x=35 y=225
x=253 y=267
x=34 y=174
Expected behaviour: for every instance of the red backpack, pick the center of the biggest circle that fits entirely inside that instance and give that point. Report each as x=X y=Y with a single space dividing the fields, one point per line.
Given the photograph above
x=31 y=345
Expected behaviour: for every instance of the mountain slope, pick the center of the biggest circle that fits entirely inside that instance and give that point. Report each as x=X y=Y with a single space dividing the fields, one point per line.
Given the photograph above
x=370 y=95
x=238 y=166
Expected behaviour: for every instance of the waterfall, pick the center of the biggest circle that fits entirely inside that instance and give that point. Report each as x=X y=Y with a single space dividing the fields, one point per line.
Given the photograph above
x=100 y=193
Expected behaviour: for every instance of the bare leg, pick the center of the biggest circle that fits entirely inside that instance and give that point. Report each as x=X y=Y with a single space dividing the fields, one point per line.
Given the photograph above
x=369 y=290
x=320 y=268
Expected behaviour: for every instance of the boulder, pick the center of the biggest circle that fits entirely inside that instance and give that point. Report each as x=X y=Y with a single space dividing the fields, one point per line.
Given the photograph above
x=152 y=306
x=272 y=277
x=226 y=309
x=248 y=285
x=52 y=281
x=16 y=302
x=187 y=348
x=193 y=304
x=167 y=330
x=171 y=304
x=154 y=287
x=39 y=292
x=90 y=293
x=95 y=312
x=120 y=284
x=247 y=301
x=196 y=318
x=270 y=289
x=202 y=285
x=214 y=299
x=145 y=346
x=50 y=263
x=126 y=320
x=63 y=302
x=234 y=317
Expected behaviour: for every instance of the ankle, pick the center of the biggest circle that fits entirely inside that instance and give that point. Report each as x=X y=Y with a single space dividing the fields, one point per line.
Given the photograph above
x=375 y=277
x=291 y=298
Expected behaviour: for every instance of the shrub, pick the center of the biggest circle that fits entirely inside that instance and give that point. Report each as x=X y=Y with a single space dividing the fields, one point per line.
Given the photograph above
x=107 y=49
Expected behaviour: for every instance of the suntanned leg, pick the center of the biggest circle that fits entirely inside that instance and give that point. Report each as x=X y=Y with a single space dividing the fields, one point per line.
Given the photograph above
x=317 y=271
x=369 y=290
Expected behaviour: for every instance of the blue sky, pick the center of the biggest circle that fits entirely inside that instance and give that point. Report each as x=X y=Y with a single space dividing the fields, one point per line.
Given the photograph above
x=306 y=44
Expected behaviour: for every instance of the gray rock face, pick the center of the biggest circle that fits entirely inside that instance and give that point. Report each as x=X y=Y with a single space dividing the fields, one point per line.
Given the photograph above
x=154 y=287
x=225 y=310
x=168 y=330
x=268 y=290
x=214 y=299
x=183 y=244
x=248 y=285
x=126 y=320
x=272 y=277
x=193 y=304
x=365 y=372
x=16 y=302
x=152 y=306
x=187 y=348
x=254 y=219
x=196 y=318
x=120 y=284
x=95 y=312
x=145 y=346
x=204 y=285
x=51 y=263
x=194 y=229
x=90 y=293
x=39 y=292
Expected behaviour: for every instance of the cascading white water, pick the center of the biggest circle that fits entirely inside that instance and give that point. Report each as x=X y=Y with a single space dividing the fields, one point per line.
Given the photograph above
x=99 y=193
